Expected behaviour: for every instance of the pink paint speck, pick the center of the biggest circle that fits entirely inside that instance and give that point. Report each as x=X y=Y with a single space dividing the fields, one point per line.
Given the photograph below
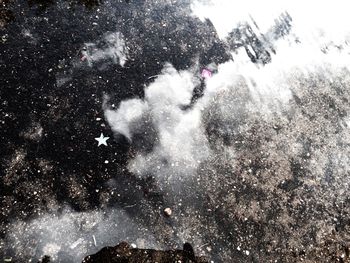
x=206 y=73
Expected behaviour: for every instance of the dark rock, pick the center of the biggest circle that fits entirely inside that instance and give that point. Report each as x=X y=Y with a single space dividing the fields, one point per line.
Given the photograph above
x=124 y=253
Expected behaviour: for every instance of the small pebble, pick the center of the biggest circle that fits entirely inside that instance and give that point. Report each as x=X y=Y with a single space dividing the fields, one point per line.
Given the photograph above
x=167 y=211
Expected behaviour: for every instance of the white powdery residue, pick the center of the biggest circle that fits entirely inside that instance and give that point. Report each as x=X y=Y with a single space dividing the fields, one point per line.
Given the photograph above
x=320 y=28
x=227 y=14
x=184 y=143
x=319 y=21
x=262 y=87
x=112 y=46
x=128 y=114
x=172 y=86
x=310 y=18
x=241 y=87
x=270 y=85
x=51 y=249
x=74 y=234
x=181 y=138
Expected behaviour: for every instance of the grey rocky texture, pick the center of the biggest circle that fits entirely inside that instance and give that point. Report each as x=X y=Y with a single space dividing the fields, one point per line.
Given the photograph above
x=283 y=195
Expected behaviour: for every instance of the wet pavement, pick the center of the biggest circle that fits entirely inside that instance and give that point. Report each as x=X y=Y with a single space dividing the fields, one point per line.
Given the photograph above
x=254 y=188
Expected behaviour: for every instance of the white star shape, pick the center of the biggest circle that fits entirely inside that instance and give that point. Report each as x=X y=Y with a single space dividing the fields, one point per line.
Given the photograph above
x=102 y=140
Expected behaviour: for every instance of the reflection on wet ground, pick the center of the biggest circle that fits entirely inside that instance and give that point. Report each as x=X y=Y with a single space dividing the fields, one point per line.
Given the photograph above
x=64 y=63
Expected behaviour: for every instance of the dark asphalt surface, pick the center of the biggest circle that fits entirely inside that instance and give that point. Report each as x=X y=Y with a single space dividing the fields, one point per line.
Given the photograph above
x=261 y=209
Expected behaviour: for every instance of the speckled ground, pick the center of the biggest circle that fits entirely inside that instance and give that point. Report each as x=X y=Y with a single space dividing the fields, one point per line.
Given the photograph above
x=263 y=186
